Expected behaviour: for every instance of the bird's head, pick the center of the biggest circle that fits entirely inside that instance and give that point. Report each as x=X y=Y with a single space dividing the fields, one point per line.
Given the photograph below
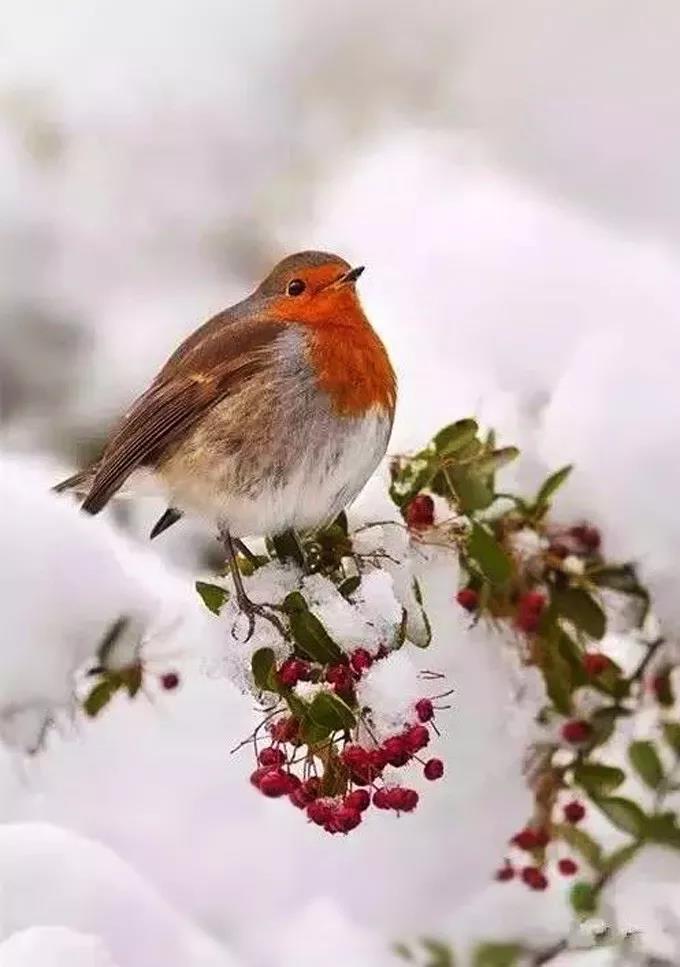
x=313 y=288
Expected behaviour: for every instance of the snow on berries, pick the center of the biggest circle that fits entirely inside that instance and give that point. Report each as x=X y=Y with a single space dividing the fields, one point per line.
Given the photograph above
x=344 y=714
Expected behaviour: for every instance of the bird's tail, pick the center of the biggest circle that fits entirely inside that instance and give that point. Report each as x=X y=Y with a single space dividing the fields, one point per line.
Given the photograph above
x=79 y=483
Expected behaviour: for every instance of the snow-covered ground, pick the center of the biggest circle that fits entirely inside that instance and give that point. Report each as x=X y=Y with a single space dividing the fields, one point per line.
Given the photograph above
x=509 y=175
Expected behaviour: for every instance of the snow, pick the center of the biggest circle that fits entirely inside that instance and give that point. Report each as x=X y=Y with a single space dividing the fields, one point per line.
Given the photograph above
x=51 y=877
x=513 y=194
x=53 y=947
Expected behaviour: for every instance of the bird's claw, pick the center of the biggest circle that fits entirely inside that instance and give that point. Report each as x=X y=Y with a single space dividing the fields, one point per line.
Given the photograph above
x=251 y=610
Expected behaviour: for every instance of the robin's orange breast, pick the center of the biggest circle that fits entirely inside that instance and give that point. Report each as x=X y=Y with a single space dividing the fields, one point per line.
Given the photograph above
x=290 y=448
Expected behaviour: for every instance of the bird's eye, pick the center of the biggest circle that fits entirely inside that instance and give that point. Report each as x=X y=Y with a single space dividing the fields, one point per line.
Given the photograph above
x=296 y=287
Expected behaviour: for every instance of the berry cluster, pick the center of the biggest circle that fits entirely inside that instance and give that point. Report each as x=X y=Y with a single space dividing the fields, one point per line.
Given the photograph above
x=336 y=781
x=536 y=841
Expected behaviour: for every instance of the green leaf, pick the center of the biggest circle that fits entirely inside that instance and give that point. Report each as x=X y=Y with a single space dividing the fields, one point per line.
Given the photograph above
x=287 y=547
x=645 y=760
x=213 y=595
x=663 y=828
x=557 y=675
x=577 y=606
x=349 y=585
x=496 y=955
x=495 y=461
x=613 y=863
x=598 y=779
x=131 y=678
x=110 y=639
x=624 y=814
x=472 y=492
x=583 y=898
x=490 y=557
x=310 y=636
x=440 y=954
x=454 y=437
x=329 y=710
x=263 y=665
x=551 y=485
x=418 y=595
x=581 y=842
x=671 y=733
x=99 y=697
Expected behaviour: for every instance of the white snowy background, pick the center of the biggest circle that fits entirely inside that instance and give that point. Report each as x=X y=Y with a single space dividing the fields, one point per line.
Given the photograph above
x=509 y=175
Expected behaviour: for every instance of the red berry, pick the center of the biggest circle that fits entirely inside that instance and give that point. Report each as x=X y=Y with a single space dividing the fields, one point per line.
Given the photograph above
x=468 y=598
x=567 y=867
x=340 y=677
x=381 y=798
x=424 y=710
x=420 y=512
x=361 y=660
x=359 y=800
x=285 y=729
x=434 y=769
x=401 y=799
x=395 y=751
x=505 y=873
x=274 y=784
x=589 y=537
x=311 y=788
x=355 y=757
x=298 y=798
x=320 y=812
x=526 y=839
x=344 y=819
x=532 y=601
x=534 y=878
x=170 y=681
x=576 y=731
x=257 y=776
x=595 y=663
x=574 y=812
x=529 y=609
x=416 y=738
x=271 y=756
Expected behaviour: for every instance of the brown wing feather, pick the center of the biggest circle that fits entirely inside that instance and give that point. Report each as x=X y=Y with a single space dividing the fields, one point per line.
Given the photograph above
x=184 y=390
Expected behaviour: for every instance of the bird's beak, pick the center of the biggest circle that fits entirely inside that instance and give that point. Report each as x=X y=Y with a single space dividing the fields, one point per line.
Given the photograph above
x=351 y=276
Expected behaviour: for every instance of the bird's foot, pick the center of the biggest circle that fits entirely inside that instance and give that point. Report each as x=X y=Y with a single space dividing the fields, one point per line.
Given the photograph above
x=253 y=610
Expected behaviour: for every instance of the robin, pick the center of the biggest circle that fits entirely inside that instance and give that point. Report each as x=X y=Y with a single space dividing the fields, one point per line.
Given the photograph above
x=269 y=417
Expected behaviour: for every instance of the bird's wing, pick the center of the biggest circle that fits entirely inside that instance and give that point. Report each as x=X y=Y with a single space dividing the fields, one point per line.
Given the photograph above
x=187 y=386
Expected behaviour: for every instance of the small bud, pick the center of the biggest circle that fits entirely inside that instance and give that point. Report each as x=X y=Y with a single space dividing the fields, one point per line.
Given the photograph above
x=505 y=873
x=170 y=681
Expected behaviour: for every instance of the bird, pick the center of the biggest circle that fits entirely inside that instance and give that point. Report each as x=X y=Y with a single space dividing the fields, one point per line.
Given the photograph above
x=269 y=417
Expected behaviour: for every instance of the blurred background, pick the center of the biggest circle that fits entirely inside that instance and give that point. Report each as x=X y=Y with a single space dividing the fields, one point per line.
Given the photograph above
x=508 y=173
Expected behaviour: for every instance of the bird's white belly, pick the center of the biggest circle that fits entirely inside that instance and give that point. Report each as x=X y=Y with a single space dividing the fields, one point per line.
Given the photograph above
x=325 y=478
